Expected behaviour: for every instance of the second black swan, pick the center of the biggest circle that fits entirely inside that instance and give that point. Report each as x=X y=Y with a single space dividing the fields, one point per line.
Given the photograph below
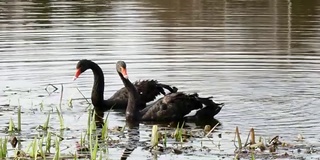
x=172 y=107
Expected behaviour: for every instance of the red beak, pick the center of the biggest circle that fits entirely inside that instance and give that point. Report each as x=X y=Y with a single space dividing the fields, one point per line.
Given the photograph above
x=124 y=72
x=78 y=72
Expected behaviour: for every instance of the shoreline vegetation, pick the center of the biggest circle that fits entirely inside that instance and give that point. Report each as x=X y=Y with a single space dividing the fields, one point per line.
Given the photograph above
x=95 y=142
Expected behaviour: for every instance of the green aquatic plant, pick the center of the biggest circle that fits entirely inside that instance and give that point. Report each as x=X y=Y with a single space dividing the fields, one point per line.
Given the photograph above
x=48 y=142
x=11 y=126
x=57 y=147
x=100 y=158
x=75 y=157
x=3 y=148
x=94 y=150
x=165 y=139
x=70 y=103
x=93 y=126
x=123 y=128
x=61 y=96
x=32 y=149
x=41 y=106
x=46 y=123
x=178 y=133
x=59 y=110
x=41 y=151
x=154 y=136
x=60 y=119
x=89 y=121
x=252 y=156
x=82 y=140
x=104 y=131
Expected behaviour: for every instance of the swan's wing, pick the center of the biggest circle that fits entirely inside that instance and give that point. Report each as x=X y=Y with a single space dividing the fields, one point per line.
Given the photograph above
x=150 y=89
x=209 y=111
x=121 y=94
x=173 y=106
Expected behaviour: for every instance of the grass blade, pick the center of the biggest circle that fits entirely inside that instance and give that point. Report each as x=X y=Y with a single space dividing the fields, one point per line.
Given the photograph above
x=104 y=132
x=48 y=142
x=60 y=119
x=46 y=123
x=57 y=144
x=95 y=150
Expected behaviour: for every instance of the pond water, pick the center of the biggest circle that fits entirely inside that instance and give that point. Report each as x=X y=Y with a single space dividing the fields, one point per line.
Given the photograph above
x=261 y=58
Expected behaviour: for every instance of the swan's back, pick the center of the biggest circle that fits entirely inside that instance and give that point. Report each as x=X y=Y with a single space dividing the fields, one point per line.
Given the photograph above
x=148 y=90
x=173 y=106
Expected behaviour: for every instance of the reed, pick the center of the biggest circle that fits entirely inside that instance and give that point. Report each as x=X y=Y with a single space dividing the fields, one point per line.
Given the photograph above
x=238 y=138
x=154 y=136
x=11 y=126
x=59 y=110
x=61 y=96
x=252 y=136
x=212 y=129
x=82 y=140
x=19 y=117
x=3 y=148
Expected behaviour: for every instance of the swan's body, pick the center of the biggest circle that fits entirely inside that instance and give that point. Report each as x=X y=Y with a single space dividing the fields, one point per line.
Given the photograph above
x=171 y=107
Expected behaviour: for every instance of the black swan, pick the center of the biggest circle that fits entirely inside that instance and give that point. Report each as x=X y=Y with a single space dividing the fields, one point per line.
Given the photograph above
x=148 y=89
x=172 y=107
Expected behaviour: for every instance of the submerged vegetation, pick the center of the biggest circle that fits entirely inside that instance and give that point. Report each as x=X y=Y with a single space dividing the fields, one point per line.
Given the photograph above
x=95 y=143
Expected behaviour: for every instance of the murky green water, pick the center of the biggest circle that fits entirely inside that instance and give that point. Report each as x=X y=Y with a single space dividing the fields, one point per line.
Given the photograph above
x=258 y=57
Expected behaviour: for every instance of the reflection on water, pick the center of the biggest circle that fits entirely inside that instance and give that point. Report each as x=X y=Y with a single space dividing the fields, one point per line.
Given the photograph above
x=259 y=57
x=133 y=140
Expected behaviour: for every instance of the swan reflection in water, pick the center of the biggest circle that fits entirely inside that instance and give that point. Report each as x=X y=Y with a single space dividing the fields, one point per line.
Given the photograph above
x=133 y=139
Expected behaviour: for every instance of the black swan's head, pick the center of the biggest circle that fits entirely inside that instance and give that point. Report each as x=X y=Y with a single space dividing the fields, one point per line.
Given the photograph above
x=122 y=69
x=82 y=66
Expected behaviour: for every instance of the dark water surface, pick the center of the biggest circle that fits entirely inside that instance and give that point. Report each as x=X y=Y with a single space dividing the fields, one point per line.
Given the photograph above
x=261 y=58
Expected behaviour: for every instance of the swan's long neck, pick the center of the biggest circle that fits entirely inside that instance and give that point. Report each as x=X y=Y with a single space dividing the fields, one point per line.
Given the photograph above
x=132 y=111
x=98 y=85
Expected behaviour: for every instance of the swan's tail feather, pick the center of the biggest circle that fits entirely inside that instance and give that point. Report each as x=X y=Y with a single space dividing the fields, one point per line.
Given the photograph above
x=164 y=86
